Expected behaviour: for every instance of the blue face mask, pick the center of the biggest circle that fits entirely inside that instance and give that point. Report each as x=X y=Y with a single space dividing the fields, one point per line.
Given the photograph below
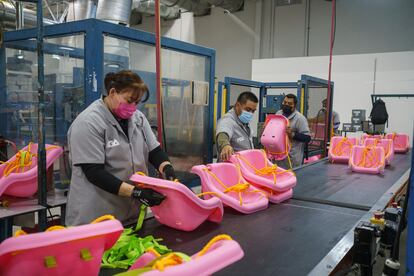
x=245 y=117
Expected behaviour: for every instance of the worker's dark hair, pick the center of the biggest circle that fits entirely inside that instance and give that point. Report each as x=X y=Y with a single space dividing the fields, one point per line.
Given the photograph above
x=126 y=79
x=247 y=96
x=291 y=96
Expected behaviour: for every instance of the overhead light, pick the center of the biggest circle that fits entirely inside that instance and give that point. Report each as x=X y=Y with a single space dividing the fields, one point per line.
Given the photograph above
x=20 y=56
x=66 y=48
x=113 y=65
x=56 y=56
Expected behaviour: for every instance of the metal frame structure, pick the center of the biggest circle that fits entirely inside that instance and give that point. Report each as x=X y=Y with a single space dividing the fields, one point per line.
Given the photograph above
x=301 y=85
x=93 y=53
x=374 y=97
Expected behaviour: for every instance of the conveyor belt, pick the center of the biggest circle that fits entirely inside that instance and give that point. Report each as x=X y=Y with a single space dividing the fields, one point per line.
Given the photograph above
x=335 y=184
x=298 y=237
x=286 y=239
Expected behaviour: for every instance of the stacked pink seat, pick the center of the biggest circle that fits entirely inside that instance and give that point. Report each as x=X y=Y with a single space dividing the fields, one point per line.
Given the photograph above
x=225 y=181
x=275 y=181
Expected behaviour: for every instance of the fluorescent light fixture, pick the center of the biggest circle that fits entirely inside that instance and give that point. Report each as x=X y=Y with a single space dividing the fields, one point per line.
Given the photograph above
x=66 y=48
x=56 y=56
x=113 y=65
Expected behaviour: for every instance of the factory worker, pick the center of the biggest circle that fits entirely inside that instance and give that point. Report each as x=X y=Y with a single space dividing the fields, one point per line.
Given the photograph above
x=298 y=130
x=233 y=129
x=108 y=142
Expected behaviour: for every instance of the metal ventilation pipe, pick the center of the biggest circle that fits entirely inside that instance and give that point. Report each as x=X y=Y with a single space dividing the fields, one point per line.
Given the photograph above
x=197 y=7
x=8 y=15
x=148 y=7
x=115 y=11
x=230 y=5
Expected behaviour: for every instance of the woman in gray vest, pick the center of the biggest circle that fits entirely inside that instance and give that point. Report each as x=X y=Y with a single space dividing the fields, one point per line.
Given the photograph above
x=108 y=142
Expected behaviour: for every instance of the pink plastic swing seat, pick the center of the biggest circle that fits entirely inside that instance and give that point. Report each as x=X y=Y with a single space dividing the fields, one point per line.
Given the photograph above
x=274 y=137
x=72 y=251
x=225 y=181
x=24 y=183
x=254 y=164
x=401 y=142
x=387 y=144
x=181 y=209
x=366 y=136
x=369 y=160
x=221 y=254
x=340 y=149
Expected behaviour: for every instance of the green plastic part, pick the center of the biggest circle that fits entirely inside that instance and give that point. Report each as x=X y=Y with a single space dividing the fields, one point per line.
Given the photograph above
x=50 y=262
x=129 y=248
x=86 y=254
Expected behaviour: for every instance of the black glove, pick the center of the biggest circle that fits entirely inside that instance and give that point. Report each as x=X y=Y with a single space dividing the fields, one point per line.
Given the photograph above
x=147 y=196
x=169 y=172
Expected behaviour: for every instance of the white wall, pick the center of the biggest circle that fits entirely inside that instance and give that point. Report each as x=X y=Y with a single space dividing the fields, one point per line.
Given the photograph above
x=233 y=42
x=363 y=26
x=353 y=77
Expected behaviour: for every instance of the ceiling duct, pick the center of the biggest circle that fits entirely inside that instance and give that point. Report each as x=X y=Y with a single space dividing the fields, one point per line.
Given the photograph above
x=229 y=5
x=114 y=11
x=148 y=7
x=8 y=15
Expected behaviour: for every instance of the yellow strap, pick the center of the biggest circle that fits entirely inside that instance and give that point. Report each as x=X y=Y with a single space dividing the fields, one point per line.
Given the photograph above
x=369 y=158
x=170 y=259
x=55 y=227
x=211 y=242
x=103 y=218
x=153 y=251
x=266 y=170
x=20 y=233
x=237 y=188
x=23 y=160
x=339 y=148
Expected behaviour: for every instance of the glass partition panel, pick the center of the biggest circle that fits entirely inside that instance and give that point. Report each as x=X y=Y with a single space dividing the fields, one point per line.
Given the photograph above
x=185 y=89
x=63 y=88
x=316 y=115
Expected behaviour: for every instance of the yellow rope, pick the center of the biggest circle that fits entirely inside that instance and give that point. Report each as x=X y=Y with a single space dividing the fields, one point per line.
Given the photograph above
x=369 y=158
x=170 y=259
x=153 y=251
x=339 y=148
x=211 y=242
x=23 y=160
x=55 y=227
x=239 y=187
x=266 y=170
x=103 y=218
x=20 y=233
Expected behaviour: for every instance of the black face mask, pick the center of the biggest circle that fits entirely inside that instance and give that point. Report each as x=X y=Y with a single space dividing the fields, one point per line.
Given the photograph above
x=287 y=110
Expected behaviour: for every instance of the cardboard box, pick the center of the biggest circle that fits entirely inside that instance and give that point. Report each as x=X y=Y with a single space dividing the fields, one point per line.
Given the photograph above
x=347 y=127
x=359 y=113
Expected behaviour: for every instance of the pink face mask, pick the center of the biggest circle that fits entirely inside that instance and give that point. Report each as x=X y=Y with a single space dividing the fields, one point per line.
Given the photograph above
x=125 y=110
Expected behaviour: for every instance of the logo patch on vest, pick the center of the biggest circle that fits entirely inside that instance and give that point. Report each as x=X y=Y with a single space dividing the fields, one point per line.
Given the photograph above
x=240 y=139
x=112 y=143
